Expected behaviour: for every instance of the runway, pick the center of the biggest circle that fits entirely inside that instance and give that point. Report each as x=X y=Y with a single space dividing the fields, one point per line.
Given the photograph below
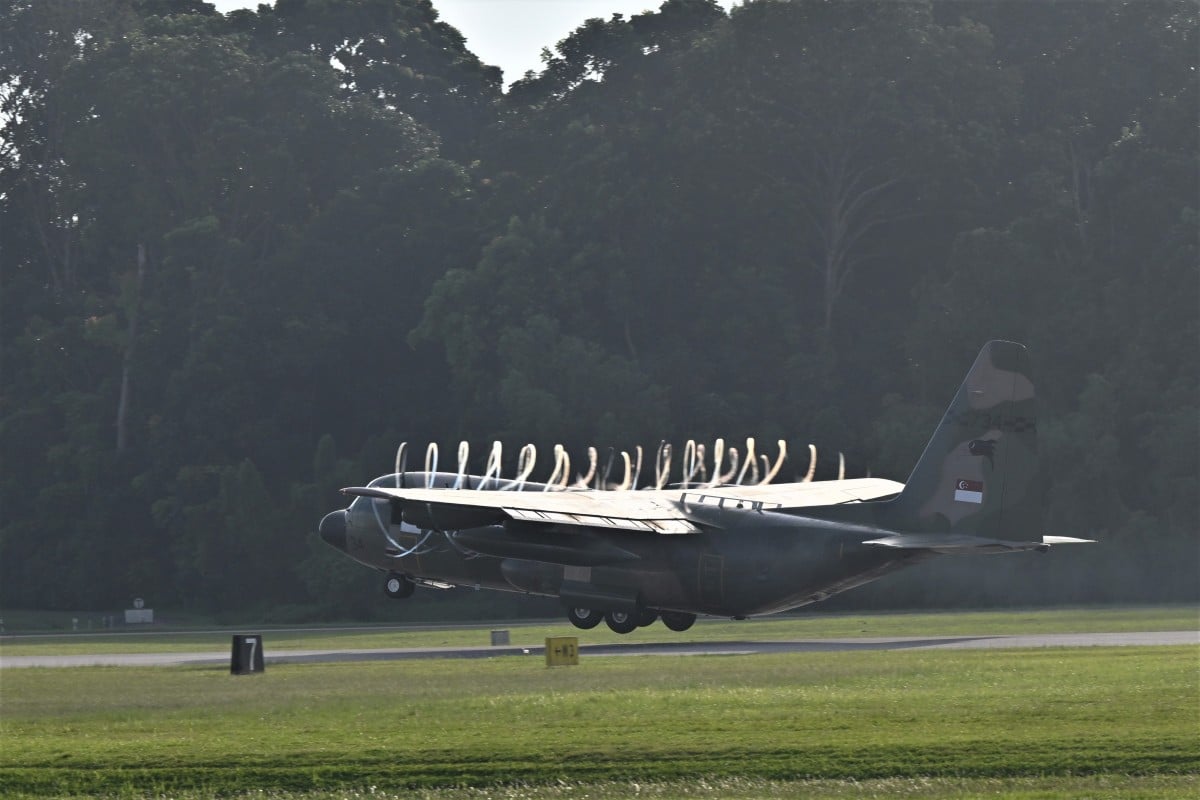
x=733 y=648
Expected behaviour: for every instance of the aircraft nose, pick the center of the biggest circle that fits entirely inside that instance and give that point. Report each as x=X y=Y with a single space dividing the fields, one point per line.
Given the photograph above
x=333 y=529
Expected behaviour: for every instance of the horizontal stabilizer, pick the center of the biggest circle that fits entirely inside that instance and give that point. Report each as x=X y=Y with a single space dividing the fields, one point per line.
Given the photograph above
x=962 y=544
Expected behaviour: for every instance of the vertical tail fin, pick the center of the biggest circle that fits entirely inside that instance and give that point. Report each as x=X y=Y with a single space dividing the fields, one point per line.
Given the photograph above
x=979 y=473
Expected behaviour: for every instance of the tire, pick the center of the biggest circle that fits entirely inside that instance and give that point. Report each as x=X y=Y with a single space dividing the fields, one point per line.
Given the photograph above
x=646 y=617
x=398 y=586
x=584 y=618
x=621 y=621
x=678 y=621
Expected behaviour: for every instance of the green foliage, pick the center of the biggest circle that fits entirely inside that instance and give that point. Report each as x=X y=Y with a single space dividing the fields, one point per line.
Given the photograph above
x=798 y=220
x=393 y=54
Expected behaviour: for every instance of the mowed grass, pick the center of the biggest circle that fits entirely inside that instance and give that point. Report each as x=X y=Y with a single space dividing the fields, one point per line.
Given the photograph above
x=802 y=626
x=1098 y=722
x=1084 y=787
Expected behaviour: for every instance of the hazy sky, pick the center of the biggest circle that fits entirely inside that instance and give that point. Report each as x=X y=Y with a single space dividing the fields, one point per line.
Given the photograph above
x=510 y=34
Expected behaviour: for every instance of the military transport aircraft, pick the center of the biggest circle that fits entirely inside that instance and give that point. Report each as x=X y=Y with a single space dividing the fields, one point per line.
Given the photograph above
x=631 y=557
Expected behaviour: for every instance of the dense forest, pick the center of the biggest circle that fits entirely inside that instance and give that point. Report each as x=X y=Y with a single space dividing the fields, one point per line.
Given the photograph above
x=243 y=256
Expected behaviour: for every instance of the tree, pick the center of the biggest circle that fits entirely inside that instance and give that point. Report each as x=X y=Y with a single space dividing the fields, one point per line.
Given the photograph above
x=186 y=165
x=393 y=53
x=795 y=221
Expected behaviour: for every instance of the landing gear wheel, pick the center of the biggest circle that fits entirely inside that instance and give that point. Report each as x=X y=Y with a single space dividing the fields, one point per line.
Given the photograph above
x=584 y=618
x=678 y=620
x=646 y=617
x=398 y=586
x=621 y=621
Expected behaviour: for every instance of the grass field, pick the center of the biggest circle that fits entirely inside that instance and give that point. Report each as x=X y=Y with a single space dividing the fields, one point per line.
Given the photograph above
x=802 y=626
x=1089 y=722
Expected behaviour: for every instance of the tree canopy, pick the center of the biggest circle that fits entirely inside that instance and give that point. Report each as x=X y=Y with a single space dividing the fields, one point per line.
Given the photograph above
x=243 y=256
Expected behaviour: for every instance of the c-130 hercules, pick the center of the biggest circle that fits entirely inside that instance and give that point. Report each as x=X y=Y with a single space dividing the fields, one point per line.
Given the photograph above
x=630 y=557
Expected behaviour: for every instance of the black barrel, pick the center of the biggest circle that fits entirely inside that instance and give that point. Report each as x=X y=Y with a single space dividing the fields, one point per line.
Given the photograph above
x=247 y=657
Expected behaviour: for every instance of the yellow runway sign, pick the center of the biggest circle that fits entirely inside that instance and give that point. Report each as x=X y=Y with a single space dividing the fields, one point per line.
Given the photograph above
x=562 y=651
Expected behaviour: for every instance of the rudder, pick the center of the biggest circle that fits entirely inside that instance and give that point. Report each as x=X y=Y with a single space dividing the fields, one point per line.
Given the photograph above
x=979 y=474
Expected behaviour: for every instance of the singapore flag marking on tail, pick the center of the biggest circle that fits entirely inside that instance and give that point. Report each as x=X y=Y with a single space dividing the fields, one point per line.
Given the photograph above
x=968 y=491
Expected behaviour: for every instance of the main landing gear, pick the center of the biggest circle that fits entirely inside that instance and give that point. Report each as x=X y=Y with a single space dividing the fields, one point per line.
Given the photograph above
x=678 y=620
x=628 y=621
x=621 y=621
x=584 y=618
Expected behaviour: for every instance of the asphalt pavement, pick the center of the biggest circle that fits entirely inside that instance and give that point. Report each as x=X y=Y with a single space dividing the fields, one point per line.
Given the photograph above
x=681 y=648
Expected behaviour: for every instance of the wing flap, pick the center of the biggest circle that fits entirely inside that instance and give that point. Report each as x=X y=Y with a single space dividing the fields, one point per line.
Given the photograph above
x=814 y=493
x=669 y=525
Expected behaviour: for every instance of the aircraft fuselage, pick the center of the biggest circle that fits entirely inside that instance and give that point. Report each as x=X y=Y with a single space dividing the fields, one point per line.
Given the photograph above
x=739 y=563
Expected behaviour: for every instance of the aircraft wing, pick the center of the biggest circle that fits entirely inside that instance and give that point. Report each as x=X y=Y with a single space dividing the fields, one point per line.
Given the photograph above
x=455 y=509
x=663 y=512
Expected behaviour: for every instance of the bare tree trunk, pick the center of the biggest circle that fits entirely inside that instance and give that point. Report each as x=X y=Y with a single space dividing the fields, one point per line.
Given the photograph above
x=127 y=362
x=853 y=204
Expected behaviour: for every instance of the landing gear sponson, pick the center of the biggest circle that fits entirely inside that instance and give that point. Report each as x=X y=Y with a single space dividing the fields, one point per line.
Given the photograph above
x=399 y=586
